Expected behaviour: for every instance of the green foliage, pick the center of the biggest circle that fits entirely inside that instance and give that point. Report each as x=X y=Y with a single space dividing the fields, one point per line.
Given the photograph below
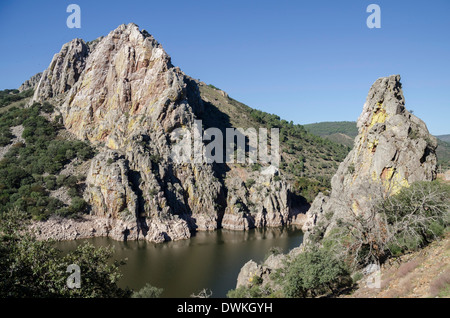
x=35 y=269
x=315 y=272
x=351 y=168
x=328 y=128
x=274 y=250
x=255 y=290
x=309 y=188
x=21 y=169
x=417 y=215
x=212 y=86
x=9 y=96
x=148 y=291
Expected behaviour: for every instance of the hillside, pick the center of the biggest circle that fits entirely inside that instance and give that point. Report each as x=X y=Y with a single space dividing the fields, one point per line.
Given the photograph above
x=344 y=132
x=97 y=140
x=308 y=161
x=445 y=138
x=421 y=274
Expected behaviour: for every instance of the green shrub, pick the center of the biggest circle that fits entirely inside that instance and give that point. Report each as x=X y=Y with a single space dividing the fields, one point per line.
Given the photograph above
x=148 y=291
x=315 y=272
x=416 y=215
x=25 y=163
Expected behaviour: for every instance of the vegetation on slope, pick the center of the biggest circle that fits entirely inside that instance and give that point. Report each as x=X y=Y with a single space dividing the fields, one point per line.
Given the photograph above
x=30 y=169
x=35 y=269
x=445 y=138
x=396 y=226
x=307 y=161
x=336 y=127
x=9 y=96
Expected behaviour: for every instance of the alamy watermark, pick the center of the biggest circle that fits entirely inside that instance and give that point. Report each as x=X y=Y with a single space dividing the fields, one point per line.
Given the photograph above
x=374 y=19
x=73 y=20
x=245 y=146
x=373 y=278
x=74 y=279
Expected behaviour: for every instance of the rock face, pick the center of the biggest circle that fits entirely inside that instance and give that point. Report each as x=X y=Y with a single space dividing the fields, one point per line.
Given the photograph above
x=64 y=70
x=122 y=93
x=392 y=150
x=252 y=270
x=30 y=83
x=258 y=201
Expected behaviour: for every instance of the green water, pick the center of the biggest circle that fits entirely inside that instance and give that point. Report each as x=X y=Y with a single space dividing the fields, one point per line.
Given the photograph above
x=208 y=260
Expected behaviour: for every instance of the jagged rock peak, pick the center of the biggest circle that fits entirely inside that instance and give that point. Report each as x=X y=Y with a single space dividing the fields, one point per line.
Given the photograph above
x=31 y=83
x=392 y=150
x=63 y=71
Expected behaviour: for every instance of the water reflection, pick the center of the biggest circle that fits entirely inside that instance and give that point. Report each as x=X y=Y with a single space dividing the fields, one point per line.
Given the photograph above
x=208 y=260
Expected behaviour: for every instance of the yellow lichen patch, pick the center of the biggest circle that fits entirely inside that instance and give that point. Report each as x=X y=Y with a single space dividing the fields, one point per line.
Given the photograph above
x=132 y=121
x=112 y=144
x=355 y=207
x=392 y=181
x=379 y=116
x=374 y=176
x=372 y=146
x=398 y=183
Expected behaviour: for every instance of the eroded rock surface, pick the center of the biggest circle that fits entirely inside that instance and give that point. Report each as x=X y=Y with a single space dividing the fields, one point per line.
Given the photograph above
x=392 y=150
x=122 y=93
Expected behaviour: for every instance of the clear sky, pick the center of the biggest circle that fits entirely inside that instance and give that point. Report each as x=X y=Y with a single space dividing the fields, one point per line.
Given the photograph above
x=306 y=61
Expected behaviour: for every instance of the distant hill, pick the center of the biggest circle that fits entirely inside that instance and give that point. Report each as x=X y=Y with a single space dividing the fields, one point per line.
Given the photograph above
x=445 y=138
x=344 y=132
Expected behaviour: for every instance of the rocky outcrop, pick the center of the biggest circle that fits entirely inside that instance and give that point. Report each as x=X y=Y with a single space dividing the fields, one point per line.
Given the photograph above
x=122 y=93
x=256 y=200
x=64 y=70
x=252 y=271
x=31 y=83
x=392 y=150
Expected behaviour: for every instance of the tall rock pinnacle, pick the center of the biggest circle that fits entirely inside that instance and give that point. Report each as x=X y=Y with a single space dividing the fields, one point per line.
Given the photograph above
x=392 y=150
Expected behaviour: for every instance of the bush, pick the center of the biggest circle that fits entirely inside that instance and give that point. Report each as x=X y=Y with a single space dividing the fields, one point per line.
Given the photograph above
x=24 y=164
x=148 y=291
x=35 y=269
x=416 y=215
x=315 y=272
x=77 y=205
x=391 y=227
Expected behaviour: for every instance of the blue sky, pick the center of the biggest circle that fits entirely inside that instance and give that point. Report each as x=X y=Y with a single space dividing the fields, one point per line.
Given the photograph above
x=306 y=61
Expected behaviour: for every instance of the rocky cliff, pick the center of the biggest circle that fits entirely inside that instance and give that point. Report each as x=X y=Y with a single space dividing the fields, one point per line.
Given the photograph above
x=122 y=93
x=392 y=150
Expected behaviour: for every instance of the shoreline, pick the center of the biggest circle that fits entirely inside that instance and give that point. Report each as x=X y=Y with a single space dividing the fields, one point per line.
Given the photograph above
x=90 y=226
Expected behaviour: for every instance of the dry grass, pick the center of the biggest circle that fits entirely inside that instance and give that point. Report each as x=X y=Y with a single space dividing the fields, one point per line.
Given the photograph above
x=408 y=267
x=441 y=285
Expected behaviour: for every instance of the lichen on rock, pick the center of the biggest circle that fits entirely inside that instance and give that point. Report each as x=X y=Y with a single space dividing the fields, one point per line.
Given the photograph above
x=392 y=150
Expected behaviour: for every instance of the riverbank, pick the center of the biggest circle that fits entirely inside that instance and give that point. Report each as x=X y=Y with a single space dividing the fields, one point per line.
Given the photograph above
x=90 y=226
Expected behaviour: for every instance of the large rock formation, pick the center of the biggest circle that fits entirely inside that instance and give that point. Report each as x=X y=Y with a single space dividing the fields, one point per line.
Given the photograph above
x=122 y=93
x=392 y=150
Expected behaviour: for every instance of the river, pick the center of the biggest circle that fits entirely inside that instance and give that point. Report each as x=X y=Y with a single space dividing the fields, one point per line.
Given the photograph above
x=209 y=260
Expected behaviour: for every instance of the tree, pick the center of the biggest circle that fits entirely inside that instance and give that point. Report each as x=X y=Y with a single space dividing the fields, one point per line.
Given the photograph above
x=31 y=268
x=315 y=272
